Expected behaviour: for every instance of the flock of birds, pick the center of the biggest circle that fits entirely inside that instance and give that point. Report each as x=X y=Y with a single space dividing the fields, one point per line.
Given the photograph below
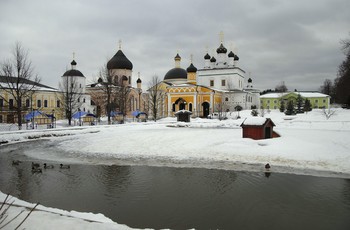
x=36 y=167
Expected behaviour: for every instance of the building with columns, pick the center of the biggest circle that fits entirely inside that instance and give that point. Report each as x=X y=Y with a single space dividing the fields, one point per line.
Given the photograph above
x=218 y=87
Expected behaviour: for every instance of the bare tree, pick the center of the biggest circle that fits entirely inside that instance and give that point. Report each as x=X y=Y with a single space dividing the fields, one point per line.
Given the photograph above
x=222 y=107
x=72 y=95
x=123 y=98
x=281 y=87
x=108 y=86
x=328 y=112
x=18 y=80
x=155 y=97
x=342 y=82
x=327 y=87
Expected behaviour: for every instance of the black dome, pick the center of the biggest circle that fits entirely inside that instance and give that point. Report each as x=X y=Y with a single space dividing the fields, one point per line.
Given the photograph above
x=191 y=69
x=176 y=73
x=73 y=73
x=119 y=61
x=73 y=62
x=231 y=55
x=212 y=59
x=250 y=80
x=207 y=57
x=236 y=58
x=221 y=49
x=138 y=80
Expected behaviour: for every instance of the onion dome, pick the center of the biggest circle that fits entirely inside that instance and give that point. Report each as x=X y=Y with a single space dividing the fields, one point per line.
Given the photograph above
x=175 y=73
x=221 y=49
x=191 y=69
x=231 y=54
x=119 y=61
x=73 y=72
x=236 y=58
x=212 y=59
x=138 y=80
x=207 y=57
x=250 y=80
x=177 y=57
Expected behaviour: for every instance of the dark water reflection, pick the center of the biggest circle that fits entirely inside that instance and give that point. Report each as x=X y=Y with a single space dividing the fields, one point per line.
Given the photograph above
x=182 y=198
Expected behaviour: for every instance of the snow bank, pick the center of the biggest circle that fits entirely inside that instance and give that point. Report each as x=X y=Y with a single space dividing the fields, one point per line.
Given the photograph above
x=308 y=142
x=52 y=218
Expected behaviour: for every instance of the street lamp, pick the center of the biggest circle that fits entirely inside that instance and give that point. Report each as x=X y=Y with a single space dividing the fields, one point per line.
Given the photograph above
x=53 y=119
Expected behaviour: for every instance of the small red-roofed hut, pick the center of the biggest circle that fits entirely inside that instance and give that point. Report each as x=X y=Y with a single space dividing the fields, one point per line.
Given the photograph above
x=258 y=128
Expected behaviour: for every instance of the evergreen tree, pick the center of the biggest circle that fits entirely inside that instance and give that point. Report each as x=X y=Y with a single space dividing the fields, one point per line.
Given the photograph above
x=282 y=106
x=290 y=108
x=300 y=104
x=307 y=106
x=254 y=113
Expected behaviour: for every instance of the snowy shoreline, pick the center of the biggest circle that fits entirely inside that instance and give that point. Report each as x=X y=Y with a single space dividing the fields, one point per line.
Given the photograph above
x=309 y=144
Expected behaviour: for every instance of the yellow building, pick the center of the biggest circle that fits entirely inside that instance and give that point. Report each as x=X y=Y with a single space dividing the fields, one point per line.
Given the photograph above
x=273 y=100
x=179 y=91
x=44 y=99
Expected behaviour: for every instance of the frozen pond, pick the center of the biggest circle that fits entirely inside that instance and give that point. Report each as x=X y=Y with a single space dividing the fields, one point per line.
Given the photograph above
x=182 y=198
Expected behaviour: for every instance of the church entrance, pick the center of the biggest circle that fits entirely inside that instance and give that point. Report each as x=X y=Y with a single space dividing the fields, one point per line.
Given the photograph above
x=181 y=103
x=205 y=106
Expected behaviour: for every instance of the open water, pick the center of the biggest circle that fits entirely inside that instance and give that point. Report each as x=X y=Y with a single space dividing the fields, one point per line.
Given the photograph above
x=183 y=198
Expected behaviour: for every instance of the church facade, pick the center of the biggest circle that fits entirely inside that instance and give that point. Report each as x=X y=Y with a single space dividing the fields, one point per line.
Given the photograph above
x=218 y=87
x=124 y=99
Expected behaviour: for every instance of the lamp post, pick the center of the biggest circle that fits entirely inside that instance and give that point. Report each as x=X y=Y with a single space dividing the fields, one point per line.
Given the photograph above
x=53 y=119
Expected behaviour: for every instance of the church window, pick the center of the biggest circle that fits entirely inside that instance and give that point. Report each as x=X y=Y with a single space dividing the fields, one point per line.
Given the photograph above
x=58 y=104
x=84 y=100
x=38 y=104
x=190 y=107
x=11 y=104
x=174 y=107
x=78 y=99
x=129 y=80
x=27 y=103
x=226 y=99
x=1 y=102
x=223 y=82
x=211 y=82
x=45 y=103
x=80 y=86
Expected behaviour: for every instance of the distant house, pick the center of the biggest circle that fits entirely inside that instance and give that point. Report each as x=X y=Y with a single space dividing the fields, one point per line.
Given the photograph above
x=273 y=100
x=258 y=128
x=44 y=98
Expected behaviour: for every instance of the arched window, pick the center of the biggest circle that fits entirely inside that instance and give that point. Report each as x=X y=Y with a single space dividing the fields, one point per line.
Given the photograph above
x=190 y=107
x=173 y=107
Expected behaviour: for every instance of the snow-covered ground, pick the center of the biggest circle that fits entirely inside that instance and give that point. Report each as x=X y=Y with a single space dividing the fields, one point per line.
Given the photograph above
x=309 y=144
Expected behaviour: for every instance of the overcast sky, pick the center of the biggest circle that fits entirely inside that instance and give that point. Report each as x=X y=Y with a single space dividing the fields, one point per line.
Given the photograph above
x=297 y=41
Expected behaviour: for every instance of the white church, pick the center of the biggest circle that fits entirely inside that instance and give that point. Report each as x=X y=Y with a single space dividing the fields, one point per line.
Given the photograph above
x=224 y=73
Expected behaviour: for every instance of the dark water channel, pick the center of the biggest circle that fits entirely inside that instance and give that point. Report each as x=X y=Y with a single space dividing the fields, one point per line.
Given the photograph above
x=182 y=198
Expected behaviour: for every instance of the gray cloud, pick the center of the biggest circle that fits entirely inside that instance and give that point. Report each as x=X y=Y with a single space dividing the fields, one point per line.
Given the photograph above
x=276 y=40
